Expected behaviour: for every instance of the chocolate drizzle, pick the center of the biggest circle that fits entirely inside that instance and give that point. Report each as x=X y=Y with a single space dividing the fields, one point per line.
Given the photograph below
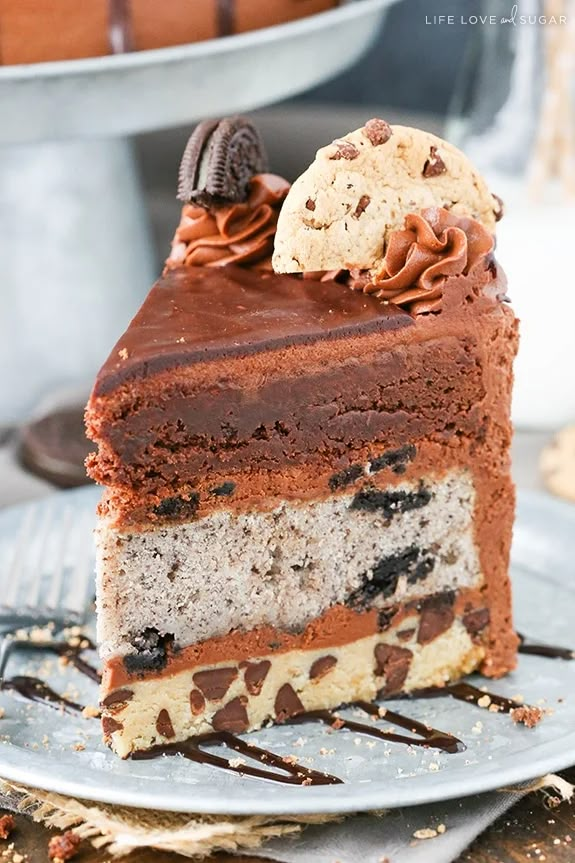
x=428 y=737
x=120 y=35
x=292 y=773
x=34 y=689
x=534 y=648
x=71 y=652
x=225 y=12
x=470 y=694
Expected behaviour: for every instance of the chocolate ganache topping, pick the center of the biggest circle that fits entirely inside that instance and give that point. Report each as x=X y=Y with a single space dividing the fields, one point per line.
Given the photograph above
x=434 y=244
x=241 y=233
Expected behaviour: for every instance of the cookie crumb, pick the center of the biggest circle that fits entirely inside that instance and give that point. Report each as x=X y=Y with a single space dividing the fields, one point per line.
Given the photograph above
x=441 y=828
x=123 y=354
x=64 y=847
x=529 y=716
x=290 y=759
x=425 y=833
x=484 y=701
x=90 y=712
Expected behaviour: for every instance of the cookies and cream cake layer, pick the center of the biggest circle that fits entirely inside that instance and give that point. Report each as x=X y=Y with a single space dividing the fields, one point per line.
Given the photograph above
x=308 y=497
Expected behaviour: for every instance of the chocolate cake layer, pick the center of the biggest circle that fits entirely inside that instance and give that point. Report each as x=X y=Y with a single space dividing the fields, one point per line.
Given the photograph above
x=171 y=432
x=239 y=682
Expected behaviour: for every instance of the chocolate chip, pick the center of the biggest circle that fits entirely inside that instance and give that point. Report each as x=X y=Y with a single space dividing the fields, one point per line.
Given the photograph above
x=434 y=165
x=118 y=696
x=197 y=702
x=310 y=205
x=287 y=703
x=392 y=663
x=436 y=617
x=254 y=675
x=500 y=211
x=109 y=725
x=476 y=621
x=405 y=634
x=215 y=683
x=377 y=131
x=390 y=502
x=220 y=159
x=232 y=717
x=362 y=206
x=322 y=666
x=345 y=477
x=164 y=724
x=393 y=458
x=178 y=507
x=344 y=150
x=223 y=490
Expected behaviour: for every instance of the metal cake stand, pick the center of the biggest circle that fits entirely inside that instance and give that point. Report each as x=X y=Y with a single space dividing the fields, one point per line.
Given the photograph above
x=75 y=251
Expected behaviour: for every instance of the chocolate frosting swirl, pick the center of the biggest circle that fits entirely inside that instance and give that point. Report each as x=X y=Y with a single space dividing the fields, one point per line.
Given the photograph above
x=241 y=234
x=434 y=244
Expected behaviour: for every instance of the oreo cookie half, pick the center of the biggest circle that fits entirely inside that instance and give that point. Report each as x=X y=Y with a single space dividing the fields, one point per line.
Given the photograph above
x=219 y=161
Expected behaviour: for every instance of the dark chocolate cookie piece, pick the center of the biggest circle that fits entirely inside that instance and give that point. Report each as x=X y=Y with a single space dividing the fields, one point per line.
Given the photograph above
x=219 y=161
x=55 y=447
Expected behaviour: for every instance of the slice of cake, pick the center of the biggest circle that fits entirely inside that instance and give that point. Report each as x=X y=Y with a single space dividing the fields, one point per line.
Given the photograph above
x=308 y=498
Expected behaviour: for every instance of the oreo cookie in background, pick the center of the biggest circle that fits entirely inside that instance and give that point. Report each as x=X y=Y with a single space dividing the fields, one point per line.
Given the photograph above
x=220 y=159
x=55 y=446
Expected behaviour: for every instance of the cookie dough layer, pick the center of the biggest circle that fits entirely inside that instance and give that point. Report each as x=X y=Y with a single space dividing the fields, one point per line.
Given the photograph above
x=242 y=696
x=203 y=579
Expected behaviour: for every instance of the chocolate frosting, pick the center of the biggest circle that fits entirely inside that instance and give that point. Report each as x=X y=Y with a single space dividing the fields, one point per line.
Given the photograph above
x=198 y=314
x=241 y=234
x=434 y=244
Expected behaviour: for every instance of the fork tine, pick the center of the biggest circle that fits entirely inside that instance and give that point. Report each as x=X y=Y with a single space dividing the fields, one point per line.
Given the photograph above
x=59 y=567
x=47 y=575
x=11 y=581
x=40 y=560
x=76 y=600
